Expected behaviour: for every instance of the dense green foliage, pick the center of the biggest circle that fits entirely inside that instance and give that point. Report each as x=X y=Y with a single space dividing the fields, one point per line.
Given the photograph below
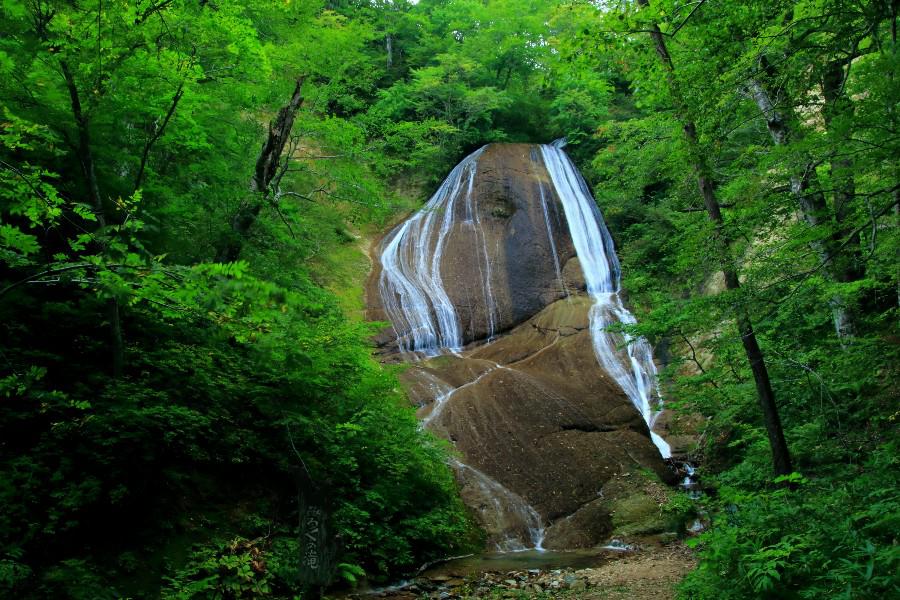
x=179 y=455
x=832 y=532
x=162 y=410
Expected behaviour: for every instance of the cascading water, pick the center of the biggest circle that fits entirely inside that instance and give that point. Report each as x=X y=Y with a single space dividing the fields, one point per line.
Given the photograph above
x=554 y=253
x=427 y=323
x=635 y=372
x=440 y=400
x=411 y=285
x=504 y=501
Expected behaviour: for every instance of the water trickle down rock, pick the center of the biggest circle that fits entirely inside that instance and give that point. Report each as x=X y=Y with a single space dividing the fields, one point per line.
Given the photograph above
x=634 y=368
x=483 y=290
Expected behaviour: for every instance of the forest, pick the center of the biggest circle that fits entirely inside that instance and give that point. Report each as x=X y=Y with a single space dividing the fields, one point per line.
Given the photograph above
x=189 y=191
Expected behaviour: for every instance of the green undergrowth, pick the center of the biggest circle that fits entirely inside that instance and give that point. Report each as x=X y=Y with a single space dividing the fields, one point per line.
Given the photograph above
x=826 y=536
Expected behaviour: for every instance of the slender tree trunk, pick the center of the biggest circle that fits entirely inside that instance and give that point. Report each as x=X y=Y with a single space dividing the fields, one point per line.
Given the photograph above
x=266 y=168
x=389 y=49
x=809 y=197
x=781 y=458
x=115 y=334
x=86 y=159
x=806 y=190
x=848 y=266
x=509 y=70
x=158 y=130
x=85 y=154
x=892 y=115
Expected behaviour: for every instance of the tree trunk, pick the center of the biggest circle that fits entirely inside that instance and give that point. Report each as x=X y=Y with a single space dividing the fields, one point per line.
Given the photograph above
x=86 y=159
x=389 y=49
x=85 y=154
x=811 y=200
x=891 y=109
x=509 y=70
x=266 y=168
x=848 y=266
x=809 y=196
x=781 y=458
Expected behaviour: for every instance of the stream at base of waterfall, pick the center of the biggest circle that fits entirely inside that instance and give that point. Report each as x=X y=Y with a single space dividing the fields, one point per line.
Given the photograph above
x=428 y=324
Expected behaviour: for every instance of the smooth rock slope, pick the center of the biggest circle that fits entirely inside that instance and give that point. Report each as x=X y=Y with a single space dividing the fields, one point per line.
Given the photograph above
x=541 y=427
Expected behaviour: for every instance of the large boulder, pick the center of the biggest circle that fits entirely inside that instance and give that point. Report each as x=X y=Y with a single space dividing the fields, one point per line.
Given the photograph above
x=534 y=411
x=541 y=428
x=498 y=265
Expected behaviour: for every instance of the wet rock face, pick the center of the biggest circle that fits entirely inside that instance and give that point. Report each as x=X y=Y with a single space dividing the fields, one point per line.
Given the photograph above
x=538 y=415
x=499 y=249
x=513 y=179
x=541 y=427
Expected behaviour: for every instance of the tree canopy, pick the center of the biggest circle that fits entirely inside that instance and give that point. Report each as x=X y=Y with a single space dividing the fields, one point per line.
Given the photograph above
x=184 y=368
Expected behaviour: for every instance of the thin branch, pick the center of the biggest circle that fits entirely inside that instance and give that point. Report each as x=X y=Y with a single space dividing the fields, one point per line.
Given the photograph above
x=53 y=271
x=283 y=219
x=687 y=18
x=43 y=198
x=695 y=359
x=308 y=157
x=693 y=209
x=158 y=131
x=152 y=10
x=58 y=270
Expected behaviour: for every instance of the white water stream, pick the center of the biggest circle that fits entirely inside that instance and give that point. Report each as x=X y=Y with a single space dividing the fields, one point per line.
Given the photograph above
x=411 y=286
x=559 y=277
x=503 y=502
x=633 y=367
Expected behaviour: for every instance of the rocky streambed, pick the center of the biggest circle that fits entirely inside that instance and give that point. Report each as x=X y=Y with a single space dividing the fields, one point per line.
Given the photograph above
x=636 y=572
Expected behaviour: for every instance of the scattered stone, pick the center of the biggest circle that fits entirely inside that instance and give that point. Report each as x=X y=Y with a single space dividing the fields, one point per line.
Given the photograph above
x=648 y=572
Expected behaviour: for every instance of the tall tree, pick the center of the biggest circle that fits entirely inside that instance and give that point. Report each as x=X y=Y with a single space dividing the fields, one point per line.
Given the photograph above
x=781 y=457
x=807 y=191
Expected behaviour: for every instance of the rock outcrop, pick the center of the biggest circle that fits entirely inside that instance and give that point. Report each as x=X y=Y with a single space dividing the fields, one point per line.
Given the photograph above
x=541 y=427
x=500 y=250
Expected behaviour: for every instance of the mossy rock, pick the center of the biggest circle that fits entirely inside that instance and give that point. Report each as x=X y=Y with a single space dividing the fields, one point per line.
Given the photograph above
x=637 y=515
x=635 y=502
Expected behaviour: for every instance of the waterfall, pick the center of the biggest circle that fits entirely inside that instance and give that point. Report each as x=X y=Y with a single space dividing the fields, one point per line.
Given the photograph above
x=411 y=286
x=440 y=400
x=427 y=323
x=635 y=372
x=505 y=502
